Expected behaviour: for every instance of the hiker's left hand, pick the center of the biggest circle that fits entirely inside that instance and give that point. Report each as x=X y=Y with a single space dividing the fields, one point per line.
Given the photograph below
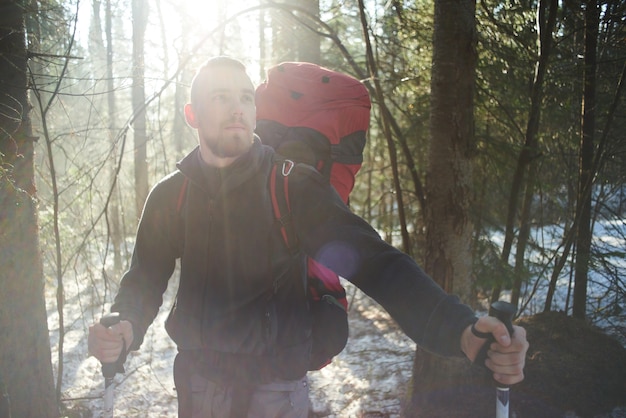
x=506 y=356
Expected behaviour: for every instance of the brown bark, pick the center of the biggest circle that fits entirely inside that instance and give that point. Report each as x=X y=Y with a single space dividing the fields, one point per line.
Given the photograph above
x=448 y=256
x=26 y=379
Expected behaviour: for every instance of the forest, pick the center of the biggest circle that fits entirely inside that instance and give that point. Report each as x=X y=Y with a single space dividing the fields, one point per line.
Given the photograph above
x=495 y=157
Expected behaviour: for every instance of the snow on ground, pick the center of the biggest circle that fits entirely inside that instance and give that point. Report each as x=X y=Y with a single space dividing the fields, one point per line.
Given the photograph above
x=367 y=379
x=372 y=372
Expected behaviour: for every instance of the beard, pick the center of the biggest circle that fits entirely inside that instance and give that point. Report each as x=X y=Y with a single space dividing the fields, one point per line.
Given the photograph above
x=229 y=146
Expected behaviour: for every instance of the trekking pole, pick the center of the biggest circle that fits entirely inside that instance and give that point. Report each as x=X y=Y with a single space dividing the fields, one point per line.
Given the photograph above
x=109 y=370
x=505 y=312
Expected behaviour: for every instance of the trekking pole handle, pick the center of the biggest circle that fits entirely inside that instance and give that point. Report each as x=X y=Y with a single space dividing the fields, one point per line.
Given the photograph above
x=110 y=369
x=504 y=312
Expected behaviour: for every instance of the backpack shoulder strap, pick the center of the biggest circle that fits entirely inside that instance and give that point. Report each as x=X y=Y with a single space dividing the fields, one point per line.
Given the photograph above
x=180 y=216
x=181 y=195
x=279 y=194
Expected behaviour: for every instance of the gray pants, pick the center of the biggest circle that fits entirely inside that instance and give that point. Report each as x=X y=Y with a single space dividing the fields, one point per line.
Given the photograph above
x=201 y=398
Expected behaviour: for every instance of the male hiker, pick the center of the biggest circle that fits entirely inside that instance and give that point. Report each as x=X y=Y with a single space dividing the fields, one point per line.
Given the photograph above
x=241 y=320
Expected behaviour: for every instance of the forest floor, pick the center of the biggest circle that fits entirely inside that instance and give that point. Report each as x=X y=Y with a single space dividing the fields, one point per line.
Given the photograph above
x=572 y=370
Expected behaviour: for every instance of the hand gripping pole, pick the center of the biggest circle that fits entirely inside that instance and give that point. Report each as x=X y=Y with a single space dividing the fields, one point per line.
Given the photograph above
x=504 y=312
x=109 y=370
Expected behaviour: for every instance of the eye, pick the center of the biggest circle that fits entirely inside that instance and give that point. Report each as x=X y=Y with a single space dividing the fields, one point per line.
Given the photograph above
x=219 y=98
x=247 y=98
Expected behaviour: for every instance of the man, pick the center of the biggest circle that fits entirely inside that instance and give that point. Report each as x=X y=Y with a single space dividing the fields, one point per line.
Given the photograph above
x=240 y=320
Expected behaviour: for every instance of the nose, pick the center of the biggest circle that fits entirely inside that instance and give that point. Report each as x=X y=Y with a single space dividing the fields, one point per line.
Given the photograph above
x=237 y=108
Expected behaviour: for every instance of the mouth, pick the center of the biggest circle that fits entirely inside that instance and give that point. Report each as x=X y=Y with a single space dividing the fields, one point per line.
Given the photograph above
x=236 y=127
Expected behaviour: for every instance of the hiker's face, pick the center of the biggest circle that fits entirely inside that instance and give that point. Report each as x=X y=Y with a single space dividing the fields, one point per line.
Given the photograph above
x=224 y=113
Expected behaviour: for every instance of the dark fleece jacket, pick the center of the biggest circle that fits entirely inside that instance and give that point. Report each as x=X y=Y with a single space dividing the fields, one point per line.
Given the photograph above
x=233 y=261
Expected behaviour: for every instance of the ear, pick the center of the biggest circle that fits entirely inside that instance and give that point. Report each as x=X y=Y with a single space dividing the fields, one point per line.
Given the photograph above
x=190 y=116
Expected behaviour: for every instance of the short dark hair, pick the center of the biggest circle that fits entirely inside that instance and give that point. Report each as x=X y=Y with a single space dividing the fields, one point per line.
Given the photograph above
x=211 y=63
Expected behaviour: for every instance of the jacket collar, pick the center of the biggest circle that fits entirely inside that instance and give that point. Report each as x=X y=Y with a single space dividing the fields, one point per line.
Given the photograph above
x=244 y=167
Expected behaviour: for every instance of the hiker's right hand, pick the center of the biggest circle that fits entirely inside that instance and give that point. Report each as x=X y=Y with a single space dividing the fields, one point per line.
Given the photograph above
x=106 y=344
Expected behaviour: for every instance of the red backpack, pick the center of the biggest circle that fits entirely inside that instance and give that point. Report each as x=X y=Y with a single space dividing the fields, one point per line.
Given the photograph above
x=314 y=115
x=317 y=116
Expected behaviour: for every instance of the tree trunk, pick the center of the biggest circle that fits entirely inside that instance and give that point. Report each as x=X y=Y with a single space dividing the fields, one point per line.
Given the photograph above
x=585 y=180
x=262 y=44
x=545 y=27
x=181 y=94
x=117 y=235
x=140 y=21
x=386 y=129
x=308 y=44
x=568 y=240
x=26 y=377
x=524 y=234
x=448 y=190
x=292 y=37
x=283 y=41
x=102 y=53
x=448 y=257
